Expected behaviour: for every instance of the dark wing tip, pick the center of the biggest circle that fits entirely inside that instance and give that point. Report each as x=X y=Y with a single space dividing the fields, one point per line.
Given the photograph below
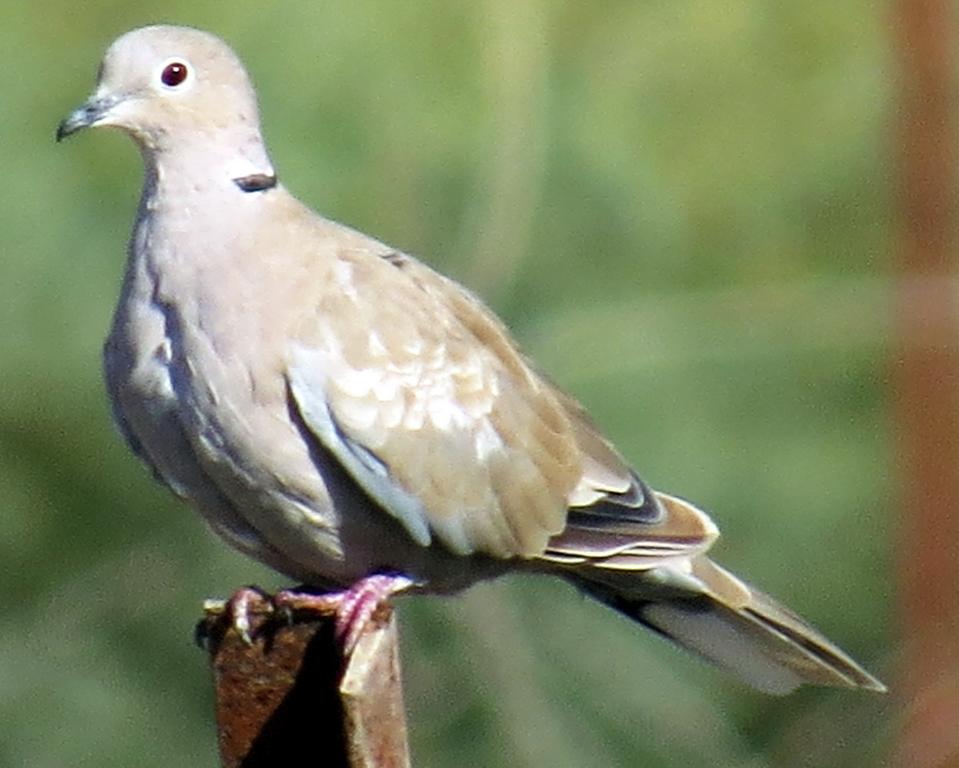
x=637 y=504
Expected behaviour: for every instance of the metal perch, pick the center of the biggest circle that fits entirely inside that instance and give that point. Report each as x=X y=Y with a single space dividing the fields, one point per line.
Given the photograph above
x=290 y=697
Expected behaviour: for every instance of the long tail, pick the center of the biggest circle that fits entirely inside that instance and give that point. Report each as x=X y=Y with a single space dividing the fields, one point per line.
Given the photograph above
x=704 y=608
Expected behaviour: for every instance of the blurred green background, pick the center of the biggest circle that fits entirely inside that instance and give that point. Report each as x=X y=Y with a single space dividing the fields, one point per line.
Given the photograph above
x=682 y=210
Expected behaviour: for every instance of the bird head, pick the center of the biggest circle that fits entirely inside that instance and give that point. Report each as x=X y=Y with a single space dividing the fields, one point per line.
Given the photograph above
x=160 y=82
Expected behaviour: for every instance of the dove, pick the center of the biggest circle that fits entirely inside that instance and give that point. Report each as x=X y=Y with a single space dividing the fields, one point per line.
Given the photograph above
x=339 y=411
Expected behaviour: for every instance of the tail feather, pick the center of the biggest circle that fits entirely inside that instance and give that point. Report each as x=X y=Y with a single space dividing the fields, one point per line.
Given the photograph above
x=656 y=572
x=706 y=609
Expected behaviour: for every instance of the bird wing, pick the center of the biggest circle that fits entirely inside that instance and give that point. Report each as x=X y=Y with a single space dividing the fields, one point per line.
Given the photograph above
x=419 y=391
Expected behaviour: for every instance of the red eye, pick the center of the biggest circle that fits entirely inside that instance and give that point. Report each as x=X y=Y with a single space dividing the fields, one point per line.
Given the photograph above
x=174 y=73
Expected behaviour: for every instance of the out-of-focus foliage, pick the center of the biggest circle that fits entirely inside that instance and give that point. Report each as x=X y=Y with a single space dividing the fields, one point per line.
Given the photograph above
x=680 y=207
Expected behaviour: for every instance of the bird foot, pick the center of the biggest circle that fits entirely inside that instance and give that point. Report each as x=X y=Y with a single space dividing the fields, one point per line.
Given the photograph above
x=240 y=606
x=353 y=609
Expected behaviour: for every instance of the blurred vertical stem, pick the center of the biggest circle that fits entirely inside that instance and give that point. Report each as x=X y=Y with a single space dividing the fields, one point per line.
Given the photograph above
x=499 y=228
x=926 y=370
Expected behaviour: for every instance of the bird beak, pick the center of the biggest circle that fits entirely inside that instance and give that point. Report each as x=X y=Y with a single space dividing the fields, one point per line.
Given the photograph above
x=86 y=115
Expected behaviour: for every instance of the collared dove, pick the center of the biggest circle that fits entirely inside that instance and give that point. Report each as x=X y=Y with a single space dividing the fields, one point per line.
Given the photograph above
x=339 y=411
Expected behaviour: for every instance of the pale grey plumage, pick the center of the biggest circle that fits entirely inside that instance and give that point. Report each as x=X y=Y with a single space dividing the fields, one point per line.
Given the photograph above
x=335 y=408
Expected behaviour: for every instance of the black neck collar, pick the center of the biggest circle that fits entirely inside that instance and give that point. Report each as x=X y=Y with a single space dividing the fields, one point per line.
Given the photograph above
x=256 y=182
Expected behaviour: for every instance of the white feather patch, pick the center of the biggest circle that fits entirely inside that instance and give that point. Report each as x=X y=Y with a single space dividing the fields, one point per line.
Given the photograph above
x=307 y=377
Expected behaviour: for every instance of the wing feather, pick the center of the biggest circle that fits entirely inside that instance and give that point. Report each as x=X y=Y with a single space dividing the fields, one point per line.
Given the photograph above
x=477 y=449
x=420 y=393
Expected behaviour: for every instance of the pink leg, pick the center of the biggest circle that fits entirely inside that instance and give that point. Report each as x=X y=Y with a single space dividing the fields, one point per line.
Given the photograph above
x=352 y=608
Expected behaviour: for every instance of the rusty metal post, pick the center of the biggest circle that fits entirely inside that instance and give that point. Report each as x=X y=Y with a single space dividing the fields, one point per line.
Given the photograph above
x=289 y=698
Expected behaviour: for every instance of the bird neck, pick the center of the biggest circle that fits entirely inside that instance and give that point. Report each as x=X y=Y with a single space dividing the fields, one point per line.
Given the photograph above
x=199 y=167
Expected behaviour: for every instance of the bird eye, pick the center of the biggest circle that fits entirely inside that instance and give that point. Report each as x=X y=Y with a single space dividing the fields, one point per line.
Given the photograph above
x=174 y=74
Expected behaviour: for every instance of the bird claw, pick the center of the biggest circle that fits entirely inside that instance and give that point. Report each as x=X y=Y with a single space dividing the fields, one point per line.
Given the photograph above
x=239 y=607
x=352 y=609
x=361 y=603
